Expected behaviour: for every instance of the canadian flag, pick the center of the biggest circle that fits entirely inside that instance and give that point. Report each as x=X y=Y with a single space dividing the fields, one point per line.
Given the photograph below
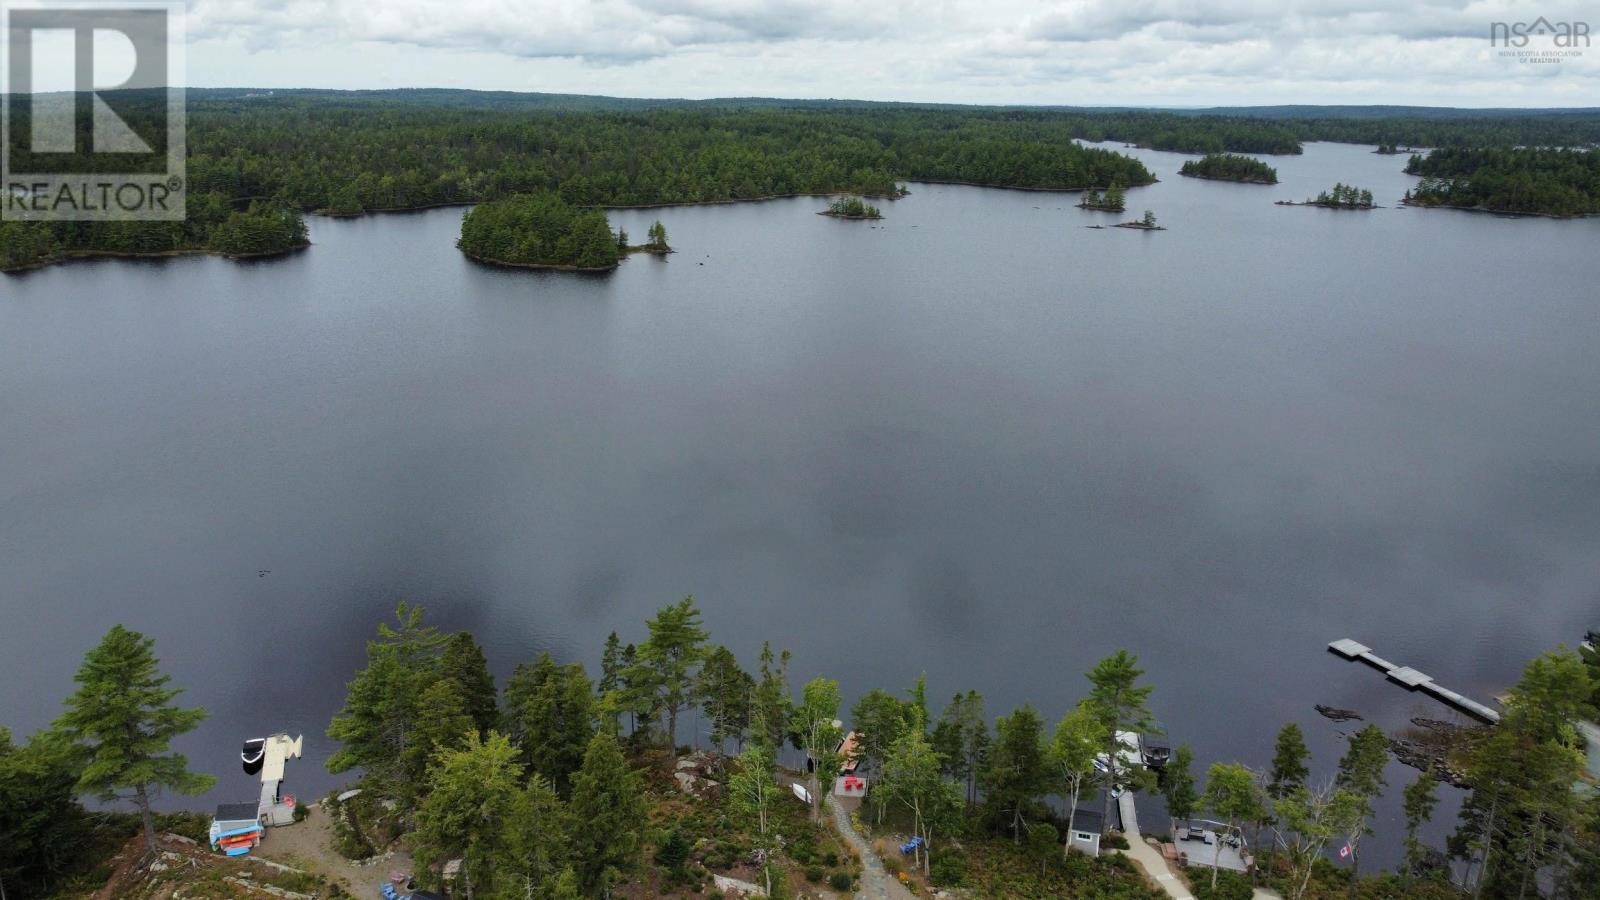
x=1344 y=851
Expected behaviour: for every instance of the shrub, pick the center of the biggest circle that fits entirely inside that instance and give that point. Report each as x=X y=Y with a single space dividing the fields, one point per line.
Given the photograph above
x=949 y=869
x=814 y=873
x=1114 y=841
x=840 y=881
x=830 y=858
x=1230 y=886
x=892 y=865
x=674 y=851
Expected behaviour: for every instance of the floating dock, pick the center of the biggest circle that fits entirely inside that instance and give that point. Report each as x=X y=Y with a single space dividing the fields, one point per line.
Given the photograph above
x=1413 y=680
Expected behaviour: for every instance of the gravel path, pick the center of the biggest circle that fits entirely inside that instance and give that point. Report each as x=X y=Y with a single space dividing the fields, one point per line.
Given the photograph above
x=876 y=883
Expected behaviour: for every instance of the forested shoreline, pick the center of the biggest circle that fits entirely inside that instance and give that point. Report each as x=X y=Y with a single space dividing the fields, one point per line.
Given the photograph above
x=257 y=159
x=564 y=785
x=1230 y=167
x=1523 y=180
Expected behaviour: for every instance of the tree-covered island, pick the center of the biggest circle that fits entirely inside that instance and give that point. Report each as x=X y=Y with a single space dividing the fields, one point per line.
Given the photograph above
x=1113 y=200
x=1342 y=196
x=1147 y=222
x=540 y=231
x=851 y=208
x=1518 y=180
x=1230 y=167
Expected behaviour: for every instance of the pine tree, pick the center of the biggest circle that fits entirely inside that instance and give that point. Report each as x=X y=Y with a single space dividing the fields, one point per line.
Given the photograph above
x=464 y=662
x=1177 y=784
x=382 y=705
x=610 y=684
x=879 y=718
x=123 y=721
x=442 y=724
x=607 y=814
x=671 y=655
x=550 y=715
x=1118 y=702
x=1419 y=800
x=724 y=690
x=770 y=703
x=1289 y=769
x=1017 y=773
x=41 y=823
x=471 y=800
x=1361 y=773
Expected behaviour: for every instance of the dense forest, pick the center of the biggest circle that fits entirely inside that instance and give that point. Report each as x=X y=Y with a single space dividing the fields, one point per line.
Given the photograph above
x=541 y=231
x=1510 y=179
x=564 y=785
x=1230 y=167
x=259 y=154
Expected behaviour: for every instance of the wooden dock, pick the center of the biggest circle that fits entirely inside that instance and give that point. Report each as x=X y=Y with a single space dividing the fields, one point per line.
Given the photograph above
x=1413 y=680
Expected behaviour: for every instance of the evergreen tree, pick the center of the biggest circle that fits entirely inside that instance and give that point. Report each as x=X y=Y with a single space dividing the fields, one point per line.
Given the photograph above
x=879 y=718
x=1361 y=773
x=537 y=849
x=607 y=814
x=1177 y=784
x=550 y=715
x=382 y=706
x=672 y=655
x=1017 y=773
x=1289 y=757
x=1118 y=702
x=464 y=662
x=962 y=740
x=41 y=823
x=442 y=723
x=1419 y=800
x=610 y=684
x=123 y=720
x=472 y=794
x=724 y=690
x=771 y=707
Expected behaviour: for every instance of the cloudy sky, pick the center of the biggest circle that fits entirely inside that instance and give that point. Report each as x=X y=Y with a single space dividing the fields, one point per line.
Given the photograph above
x=1081 y=52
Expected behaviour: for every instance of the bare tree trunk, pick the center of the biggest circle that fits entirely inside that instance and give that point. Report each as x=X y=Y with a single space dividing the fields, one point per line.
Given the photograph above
x=1072 y=817
x=1488 y=845
x=143 y=799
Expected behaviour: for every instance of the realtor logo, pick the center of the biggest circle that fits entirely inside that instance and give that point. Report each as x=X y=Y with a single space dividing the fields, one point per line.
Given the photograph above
x=92 y=124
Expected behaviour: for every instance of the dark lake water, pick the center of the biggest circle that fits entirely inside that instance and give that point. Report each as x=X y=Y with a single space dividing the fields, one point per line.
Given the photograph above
x=977 y=440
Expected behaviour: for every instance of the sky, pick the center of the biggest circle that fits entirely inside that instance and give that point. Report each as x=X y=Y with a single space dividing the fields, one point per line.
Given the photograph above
x=1074 y=52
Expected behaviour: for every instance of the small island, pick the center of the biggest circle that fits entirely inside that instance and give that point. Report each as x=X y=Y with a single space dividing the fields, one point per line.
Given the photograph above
x=262 y=230
x=851 y=208
x=541 y=231
x=1389 y=149
x=1113 y=200
x=1145 y=223
x=1343 y=196
x=1230 y=167
x=656 y=243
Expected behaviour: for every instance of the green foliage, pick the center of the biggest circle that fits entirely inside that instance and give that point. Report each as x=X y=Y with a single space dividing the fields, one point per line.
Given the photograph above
x=912 y=779
x=1077 y=740
x=549 y=712
x=41 y=823
x=961 y=738
x=1289 y=758
x=1418 y=802
x=853 y=208
x=657 y=237
x=813 y=727
x=670 y=658
x=1509 y=179
x=1113 y=200
x=1225 y=885
x=1230 y=167
x=814 y=873
x=464 y=663
x=442 y=723
x=725 y=694
x=607 y=813
x=1344 y=196
x=879 y=718
x=382 y=707
x=841 y=881
x=470 y=805
x=1119 y=703
x=1017 y=774
x=673 y=853
x=1177 y=784
x=949 y=869
x=122 y=720
x=263 y=229
x=538 y=230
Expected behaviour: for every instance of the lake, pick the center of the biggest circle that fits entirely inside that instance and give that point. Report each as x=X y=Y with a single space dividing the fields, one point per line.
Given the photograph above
x=976 y=439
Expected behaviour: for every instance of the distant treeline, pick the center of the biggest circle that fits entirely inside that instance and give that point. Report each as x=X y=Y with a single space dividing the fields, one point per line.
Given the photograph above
x=1512 y=179
x=348 y=153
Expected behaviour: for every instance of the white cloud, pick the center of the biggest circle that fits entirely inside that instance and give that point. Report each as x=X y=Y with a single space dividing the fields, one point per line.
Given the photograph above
x=1069 y=51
